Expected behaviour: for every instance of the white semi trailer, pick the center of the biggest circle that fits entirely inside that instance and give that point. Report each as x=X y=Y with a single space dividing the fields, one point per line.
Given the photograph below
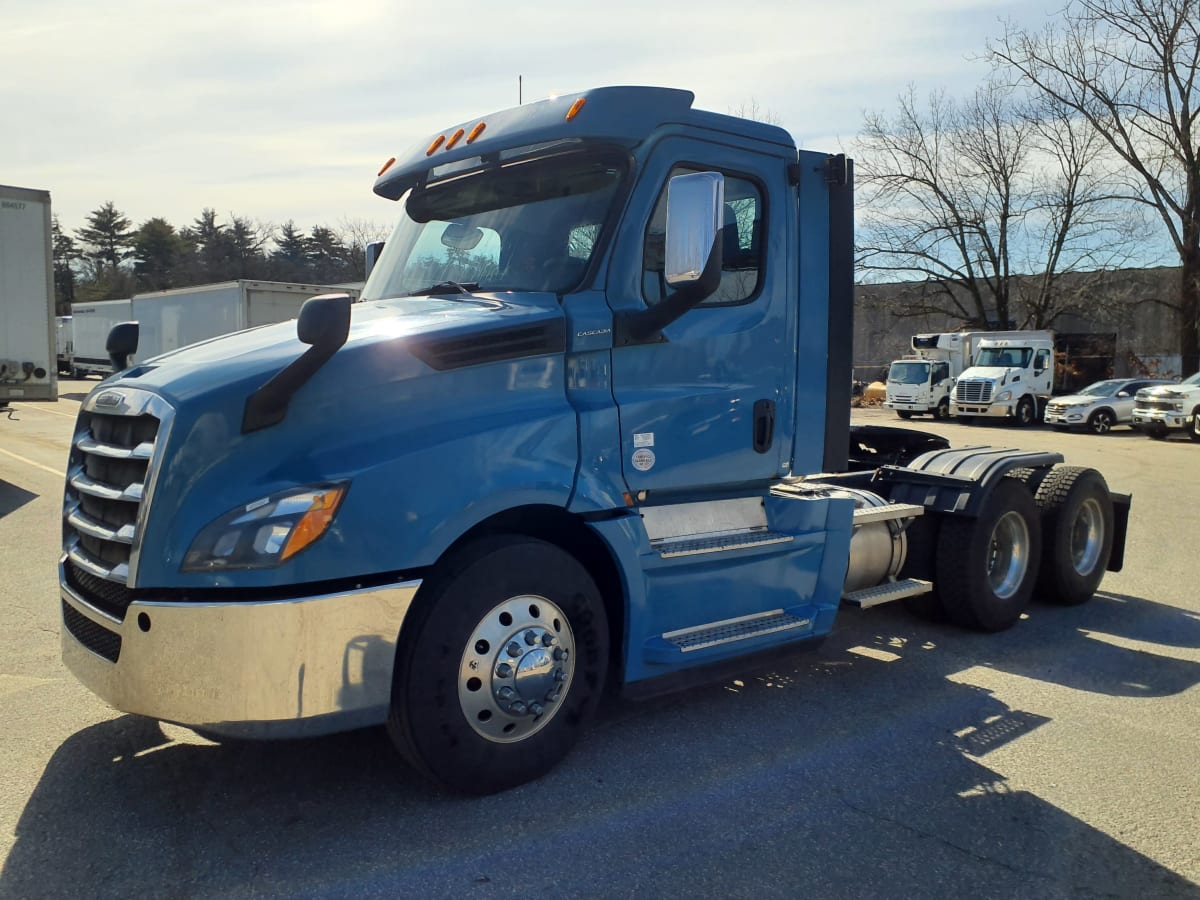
x=90 y=325
x=28 y=358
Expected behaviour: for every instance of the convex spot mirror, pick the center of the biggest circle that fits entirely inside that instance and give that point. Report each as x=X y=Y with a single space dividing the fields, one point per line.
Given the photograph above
x=695 y=215
x=324 y=321
x=121 y=343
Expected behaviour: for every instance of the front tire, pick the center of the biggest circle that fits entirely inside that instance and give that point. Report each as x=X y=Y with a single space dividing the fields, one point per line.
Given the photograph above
x=1194 y=428
x=1156 y=432
x=941 y=412
x=904 y=414
x=1077 y=524
x=986 y=569
x=1026 y=412
x=500 y=665
x=1101 y=421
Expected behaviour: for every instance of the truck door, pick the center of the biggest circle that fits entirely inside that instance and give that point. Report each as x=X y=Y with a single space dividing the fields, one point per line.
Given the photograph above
x=712 y=403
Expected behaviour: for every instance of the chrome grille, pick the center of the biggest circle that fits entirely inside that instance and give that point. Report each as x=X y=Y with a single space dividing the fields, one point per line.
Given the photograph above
x=109 y=474
x=973 y=390
x=1167 y=405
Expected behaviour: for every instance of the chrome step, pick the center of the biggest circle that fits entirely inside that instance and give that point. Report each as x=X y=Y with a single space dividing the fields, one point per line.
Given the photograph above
x=727 y=631
x=867 y=514
x=690 y=545
x=887 y=592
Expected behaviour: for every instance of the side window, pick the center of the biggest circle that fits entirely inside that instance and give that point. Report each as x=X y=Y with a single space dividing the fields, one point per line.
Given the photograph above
x=1042 y=360
x=941 y=371
x=741 y=264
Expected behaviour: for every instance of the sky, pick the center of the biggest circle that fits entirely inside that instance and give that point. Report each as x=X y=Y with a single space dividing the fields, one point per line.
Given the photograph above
x=280 y=111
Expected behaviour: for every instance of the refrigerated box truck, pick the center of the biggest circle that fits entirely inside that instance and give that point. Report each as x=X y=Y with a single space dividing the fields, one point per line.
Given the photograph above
x=172 y=319
x=90 y=325
x=28 y=363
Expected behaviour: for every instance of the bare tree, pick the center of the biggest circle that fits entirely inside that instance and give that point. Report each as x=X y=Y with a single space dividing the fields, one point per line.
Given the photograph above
x=962 y=197
x=1128 y=68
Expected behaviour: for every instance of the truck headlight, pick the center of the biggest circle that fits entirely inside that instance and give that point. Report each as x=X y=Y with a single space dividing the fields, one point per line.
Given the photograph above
x=264 y=533
x=1003 y=395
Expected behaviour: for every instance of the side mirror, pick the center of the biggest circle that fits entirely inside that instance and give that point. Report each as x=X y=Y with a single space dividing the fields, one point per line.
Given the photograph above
x=693 y=255
x=373 y=250
x=695 y=215
x=121 y=343
x=1123 y=393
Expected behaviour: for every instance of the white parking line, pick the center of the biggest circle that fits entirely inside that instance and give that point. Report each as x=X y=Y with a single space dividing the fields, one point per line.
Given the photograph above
x=36 y=465
x=24 y=406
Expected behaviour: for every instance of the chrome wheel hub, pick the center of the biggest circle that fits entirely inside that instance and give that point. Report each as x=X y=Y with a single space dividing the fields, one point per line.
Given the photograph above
x=516 y=668
x=1087 y=537
x=1008 y=556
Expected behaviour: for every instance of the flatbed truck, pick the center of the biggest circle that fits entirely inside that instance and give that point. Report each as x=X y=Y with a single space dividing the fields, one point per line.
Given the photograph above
x=588 y=429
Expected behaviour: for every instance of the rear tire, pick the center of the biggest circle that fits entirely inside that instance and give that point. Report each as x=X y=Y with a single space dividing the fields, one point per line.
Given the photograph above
x=500 y=665
x=987 y=568
x=1077 y=527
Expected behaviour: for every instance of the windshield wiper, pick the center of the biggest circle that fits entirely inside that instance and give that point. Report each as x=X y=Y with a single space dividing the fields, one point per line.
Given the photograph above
x=445 y=287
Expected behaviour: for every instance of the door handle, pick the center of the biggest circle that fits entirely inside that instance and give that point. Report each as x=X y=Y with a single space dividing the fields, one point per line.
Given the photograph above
x=764 y=425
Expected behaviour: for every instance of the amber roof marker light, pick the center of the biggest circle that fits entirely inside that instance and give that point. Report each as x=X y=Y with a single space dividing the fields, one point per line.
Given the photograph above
x=575 y=108
x=476 y=132
x=437 y=142
x=455 y=138
x=387 y=165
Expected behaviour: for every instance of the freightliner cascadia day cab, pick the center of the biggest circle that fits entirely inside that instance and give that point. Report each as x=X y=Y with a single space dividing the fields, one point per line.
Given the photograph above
x=1011 y=377
x=921 y=383
x=588 y=428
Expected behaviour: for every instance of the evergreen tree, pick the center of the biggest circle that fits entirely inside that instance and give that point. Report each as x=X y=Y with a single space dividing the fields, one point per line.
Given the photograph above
x=66 y=255
x=290 y=261
x=159 y=251
x=107 y=238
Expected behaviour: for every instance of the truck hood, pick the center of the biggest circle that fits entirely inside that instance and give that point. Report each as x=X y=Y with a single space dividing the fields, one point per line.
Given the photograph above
x=414 y=333
x=1170 y=392
x=995 y=373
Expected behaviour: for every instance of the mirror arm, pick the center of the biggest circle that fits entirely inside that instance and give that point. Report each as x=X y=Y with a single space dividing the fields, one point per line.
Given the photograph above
x=644 y=326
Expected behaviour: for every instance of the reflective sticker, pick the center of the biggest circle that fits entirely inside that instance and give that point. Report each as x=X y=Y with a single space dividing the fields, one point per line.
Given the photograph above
x=643 y=460
x=644 y=439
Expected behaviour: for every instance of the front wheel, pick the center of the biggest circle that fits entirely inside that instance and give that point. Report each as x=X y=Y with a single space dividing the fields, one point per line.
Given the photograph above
x=1156 y=432
x=942 y=410
x=500 y=666
x=987 y=568
x=1101 y=421
x=904 y=413
x=1077 y=521
x=1026 y=412
x=1194 y=428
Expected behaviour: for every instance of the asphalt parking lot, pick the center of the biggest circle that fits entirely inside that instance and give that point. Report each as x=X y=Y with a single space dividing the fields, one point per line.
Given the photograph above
x=901 y=759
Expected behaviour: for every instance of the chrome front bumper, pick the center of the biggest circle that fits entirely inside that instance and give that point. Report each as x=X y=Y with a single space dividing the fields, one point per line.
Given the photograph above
x=1159 y=418
x=278 y=668
x=991 y=410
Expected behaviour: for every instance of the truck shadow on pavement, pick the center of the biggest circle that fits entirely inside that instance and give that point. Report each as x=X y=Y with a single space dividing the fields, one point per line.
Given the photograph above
x=856 y=770
x=13 y=498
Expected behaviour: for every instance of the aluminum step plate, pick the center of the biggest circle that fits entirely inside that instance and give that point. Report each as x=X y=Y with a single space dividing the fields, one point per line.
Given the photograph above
x=691 y=546
x=867 y=514
x=887 y=592
x=731 y=630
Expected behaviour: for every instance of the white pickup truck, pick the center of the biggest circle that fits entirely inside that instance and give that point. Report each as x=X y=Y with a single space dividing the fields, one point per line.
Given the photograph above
x=1169 y=407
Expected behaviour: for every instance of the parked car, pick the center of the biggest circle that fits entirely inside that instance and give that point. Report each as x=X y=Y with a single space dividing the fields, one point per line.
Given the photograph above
x=1099 y=406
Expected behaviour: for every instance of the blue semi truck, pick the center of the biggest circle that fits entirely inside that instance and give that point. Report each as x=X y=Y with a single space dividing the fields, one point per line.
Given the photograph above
x=587 y=429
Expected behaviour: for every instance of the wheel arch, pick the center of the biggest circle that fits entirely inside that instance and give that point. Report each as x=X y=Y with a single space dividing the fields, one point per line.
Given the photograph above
x=570 y=533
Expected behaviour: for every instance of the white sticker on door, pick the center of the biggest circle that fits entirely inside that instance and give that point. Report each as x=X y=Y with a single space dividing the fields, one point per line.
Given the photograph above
x=643 y=439
x=643 y=460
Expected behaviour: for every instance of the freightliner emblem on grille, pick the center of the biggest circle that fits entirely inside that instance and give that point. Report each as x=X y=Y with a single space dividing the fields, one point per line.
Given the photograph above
x=110 y=399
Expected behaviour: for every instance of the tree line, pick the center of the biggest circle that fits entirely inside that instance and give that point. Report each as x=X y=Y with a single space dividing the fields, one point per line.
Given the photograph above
x=1079 y=155
x=109 y=259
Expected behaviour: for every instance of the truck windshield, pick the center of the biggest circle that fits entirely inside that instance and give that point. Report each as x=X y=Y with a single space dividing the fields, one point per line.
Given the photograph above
x=909 y=372
x=1006 y=357
x=526 y=226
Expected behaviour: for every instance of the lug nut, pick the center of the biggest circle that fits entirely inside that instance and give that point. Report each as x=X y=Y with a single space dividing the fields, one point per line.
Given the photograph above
x=514 y=649
x=505 y=693
x=504 y=670
x=530 y=637
x=517 y=708
x=547 y=639
x=558 y=653
x=560 y=676
x=536 y=709
x=551 y=695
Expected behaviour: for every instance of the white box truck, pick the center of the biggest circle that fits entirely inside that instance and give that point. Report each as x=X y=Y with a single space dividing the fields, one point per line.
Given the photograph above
x=921 y=383
x=28 y=360
x=168 y=320
x=90 y=325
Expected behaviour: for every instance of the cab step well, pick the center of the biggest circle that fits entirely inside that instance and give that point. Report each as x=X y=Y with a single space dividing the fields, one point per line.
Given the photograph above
x=728 y=631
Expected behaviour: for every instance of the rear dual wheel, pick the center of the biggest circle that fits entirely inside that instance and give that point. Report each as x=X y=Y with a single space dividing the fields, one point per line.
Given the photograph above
x=500 y=665
x=1077 y=521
